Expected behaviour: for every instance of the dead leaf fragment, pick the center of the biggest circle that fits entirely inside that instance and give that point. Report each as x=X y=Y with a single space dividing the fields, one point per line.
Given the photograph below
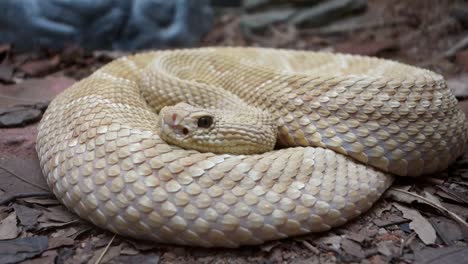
x=447 y=255
x=389 y=219
x=13 y=251
x=21 y=176
x=41 y=201
x=59 y=214
x=141 y=259
x=27 y=216
x=419 y=224
x=57 y=242
x=8 y=227
x=111 y=253
x=352 y=248
x=45 y=258
x=386 y=248
x=448 y=230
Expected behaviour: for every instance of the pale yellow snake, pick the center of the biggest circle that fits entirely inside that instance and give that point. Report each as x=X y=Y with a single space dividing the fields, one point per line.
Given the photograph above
x=357 y=118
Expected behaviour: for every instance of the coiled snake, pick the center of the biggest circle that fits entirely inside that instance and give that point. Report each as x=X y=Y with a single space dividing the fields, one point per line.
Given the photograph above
x=343 y=126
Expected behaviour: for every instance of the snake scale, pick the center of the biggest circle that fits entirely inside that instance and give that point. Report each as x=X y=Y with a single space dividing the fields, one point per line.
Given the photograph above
x=346 y=125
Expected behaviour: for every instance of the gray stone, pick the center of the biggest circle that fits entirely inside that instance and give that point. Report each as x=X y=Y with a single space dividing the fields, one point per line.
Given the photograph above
x=104 y=24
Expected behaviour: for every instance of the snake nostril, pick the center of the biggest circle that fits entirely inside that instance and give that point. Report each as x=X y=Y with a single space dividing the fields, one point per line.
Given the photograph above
x=185 y=131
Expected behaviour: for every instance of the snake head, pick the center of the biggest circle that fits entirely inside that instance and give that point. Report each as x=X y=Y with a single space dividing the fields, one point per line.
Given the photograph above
x=217 y=131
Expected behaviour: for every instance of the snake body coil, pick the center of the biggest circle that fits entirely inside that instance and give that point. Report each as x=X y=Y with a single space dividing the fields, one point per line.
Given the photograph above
x=347 y=123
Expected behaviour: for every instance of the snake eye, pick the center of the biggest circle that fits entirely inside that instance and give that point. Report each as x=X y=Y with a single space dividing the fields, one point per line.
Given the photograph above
x=205 y=121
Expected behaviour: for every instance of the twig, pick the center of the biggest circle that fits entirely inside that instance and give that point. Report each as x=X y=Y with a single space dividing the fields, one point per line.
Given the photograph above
x=14 y=197
x=310 y=247
x=105 y=250
x=463 y=43
x=23 y=179
x=454 y=216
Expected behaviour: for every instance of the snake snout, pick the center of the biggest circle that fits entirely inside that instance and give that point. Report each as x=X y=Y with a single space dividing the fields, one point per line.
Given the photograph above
x=171 y=121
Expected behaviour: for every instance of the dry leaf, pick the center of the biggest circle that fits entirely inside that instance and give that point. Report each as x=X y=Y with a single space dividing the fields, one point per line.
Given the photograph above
x=141 y=259
x=352 y=248
x=404 y=196
x=419 y=224
x=13 y=251
x=27 y=216
x=8 y=227
x=57 y=242
x=386 y=248
x=447 y=255
x=59 y=214
x=46 y=258
x=21 y=176
x=448 y=230
x=41 y=201
x=432 y=198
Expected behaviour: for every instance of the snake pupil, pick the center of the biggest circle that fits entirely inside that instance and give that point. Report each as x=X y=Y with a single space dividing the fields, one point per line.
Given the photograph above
x=205 y=121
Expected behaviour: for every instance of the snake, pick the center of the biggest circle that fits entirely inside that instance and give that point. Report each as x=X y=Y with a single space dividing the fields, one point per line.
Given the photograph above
x=234 y=146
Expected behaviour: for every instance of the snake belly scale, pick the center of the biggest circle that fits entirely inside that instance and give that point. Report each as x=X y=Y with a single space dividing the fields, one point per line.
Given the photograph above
x=346 y=125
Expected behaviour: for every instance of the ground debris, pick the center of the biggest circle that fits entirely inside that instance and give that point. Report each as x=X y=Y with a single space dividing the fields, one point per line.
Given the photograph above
x=419 y=224
x=13 y=251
